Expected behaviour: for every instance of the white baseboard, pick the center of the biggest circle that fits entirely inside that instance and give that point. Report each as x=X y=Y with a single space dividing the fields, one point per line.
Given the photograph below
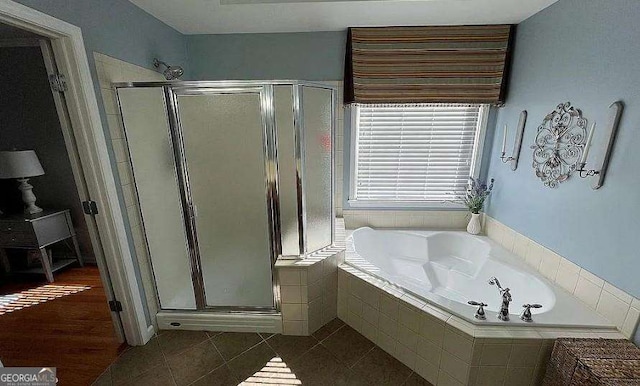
x=212 y=321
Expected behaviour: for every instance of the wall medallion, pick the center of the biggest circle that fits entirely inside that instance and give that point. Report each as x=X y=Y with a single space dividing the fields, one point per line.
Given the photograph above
x=559 y=144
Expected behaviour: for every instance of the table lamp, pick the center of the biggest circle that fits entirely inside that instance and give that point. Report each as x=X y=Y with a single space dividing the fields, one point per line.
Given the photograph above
x=21 y=165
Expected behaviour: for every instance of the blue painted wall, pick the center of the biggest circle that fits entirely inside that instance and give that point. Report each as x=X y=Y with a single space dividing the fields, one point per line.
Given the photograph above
x=585 y=52
x=306 y=56
x=121 y=30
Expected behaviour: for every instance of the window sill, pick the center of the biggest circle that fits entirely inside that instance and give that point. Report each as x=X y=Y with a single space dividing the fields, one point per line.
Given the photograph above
x=399 y=205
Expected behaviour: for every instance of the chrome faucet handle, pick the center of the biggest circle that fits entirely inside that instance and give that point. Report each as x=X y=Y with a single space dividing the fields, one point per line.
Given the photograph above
x=526 y=313
x=480 y=315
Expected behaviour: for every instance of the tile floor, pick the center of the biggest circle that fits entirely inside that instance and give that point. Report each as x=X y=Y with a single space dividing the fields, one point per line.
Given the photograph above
x=335 y=355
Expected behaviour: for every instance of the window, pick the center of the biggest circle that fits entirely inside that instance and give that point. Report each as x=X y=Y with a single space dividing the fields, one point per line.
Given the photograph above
x=414 y=155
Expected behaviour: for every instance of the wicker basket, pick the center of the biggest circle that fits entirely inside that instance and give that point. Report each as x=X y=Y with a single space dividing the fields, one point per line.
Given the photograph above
x=593 y=362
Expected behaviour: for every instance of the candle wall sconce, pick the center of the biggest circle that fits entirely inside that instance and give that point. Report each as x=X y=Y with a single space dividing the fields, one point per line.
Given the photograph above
x=610 y=131
x=517 y=145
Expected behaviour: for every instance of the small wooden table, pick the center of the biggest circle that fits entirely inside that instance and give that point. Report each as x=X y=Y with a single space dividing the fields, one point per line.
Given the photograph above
x=37 y=232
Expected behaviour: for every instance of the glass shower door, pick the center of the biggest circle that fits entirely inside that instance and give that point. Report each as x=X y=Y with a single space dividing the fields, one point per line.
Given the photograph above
x=225 y=148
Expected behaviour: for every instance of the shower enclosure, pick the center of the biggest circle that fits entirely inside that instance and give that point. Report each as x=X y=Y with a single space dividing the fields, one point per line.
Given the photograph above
x=229 y=177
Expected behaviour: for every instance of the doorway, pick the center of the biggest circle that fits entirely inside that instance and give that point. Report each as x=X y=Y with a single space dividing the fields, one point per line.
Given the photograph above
x=55 y=286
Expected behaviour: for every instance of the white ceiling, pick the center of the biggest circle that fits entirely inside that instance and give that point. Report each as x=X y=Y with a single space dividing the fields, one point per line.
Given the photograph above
x=256 y=16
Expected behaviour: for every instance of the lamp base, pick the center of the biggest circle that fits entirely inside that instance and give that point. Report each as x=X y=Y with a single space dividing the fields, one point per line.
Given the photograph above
x=28 y=197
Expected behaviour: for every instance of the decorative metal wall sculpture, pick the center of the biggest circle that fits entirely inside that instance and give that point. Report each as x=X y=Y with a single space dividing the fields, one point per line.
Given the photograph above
x=559 y=144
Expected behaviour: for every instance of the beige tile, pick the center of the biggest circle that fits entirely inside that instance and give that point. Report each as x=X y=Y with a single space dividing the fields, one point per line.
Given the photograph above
x=588 y=292
x=432 y=329
x=534 y=257
x=617 y=292
x=370 y=314
x=445 y=379
x=612 y=308
x=426 y=370
x=388 y=326
x=314 y=290
x=490 y=375
x=369 y=331
x=517 y=376
x=387 y=343
x=354 y=321
x=495 y=354
x=568 y=281
x=592 y=278
x=124 y=173
x=521 y=246
x=455 y=367
x=549 y=264
x=294 y=311
x=292 y=327
x=409 y=316
x=115 y=126
x=406 y=355
x=355 y=305
x=524 y=355
x=407 y=337
x=289 y=276
x=109 y=99
x=389 y=305
x=314 y=272
x=291 y=294
x=458 y=345
x=631 y=322
x=429 y=351
x=508 y=239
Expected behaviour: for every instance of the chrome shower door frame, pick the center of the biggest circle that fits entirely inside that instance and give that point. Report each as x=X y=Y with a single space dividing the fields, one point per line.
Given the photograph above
x=299 y=152
x=171 y=91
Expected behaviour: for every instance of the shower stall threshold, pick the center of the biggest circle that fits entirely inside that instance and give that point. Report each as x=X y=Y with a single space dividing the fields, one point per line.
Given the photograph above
x=253 y=321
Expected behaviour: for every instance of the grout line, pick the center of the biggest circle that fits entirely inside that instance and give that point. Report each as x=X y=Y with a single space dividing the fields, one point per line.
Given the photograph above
x=363 y=356
x=166 y=363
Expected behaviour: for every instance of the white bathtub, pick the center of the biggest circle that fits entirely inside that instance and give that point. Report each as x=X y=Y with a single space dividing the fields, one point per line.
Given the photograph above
x=448 y=269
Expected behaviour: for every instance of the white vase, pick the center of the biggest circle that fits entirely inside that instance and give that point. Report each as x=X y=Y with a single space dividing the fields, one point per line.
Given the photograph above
x=474 y=227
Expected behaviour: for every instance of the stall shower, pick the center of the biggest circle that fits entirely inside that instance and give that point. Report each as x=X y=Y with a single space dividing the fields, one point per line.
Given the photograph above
x=230 y=176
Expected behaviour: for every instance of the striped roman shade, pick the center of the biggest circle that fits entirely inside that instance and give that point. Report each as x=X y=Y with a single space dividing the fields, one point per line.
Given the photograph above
x=438 y=64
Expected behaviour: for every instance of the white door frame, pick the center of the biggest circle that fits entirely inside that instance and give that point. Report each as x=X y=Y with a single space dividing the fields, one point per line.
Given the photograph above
x=71 y=59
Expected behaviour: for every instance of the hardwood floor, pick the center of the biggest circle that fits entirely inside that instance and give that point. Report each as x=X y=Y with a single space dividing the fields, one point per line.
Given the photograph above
x=73 y=332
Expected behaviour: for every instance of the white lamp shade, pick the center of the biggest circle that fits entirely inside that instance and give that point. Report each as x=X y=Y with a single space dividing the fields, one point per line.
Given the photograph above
x=19 y=164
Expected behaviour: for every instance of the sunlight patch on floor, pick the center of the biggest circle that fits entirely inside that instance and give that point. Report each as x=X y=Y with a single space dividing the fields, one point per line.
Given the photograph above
x=275 y=372
x=20 y=300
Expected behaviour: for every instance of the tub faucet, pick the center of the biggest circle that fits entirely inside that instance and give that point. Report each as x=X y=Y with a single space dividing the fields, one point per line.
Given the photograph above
x=506 y=299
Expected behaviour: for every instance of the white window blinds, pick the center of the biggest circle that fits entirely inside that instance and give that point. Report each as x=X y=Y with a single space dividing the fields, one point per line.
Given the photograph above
x=411 y=153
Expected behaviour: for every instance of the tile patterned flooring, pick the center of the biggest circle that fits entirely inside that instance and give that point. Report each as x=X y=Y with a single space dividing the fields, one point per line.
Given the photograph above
x=335 y=355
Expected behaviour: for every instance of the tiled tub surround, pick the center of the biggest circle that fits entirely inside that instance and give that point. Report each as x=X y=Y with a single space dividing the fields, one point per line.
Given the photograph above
x=441 y=347
x=309 y=288
x=620 y=308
